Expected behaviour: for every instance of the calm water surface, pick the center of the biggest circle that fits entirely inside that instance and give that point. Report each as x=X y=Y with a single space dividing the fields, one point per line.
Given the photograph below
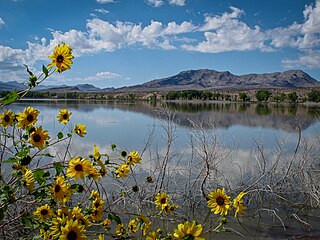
x=237 y=128
x=127 y=124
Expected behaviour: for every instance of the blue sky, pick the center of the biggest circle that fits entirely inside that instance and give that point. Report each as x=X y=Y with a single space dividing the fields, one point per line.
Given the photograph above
x=126 y=42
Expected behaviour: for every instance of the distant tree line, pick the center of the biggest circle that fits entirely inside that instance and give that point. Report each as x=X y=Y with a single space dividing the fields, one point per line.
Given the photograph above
x=198 y=95
x=262 y=95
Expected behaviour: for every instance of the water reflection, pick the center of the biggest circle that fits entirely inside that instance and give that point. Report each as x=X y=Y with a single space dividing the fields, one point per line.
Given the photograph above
x=251 y=144
x=286 y=117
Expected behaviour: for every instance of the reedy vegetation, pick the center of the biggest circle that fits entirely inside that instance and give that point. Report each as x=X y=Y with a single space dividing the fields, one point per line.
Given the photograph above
x=47 y=196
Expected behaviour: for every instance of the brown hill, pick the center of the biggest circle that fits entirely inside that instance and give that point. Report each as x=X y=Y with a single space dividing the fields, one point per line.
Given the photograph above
x=205 y=79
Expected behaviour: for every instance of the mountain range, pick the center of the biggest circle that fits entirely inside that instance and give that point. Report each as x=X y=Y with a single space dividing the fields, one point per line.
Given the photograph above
x=202 y=79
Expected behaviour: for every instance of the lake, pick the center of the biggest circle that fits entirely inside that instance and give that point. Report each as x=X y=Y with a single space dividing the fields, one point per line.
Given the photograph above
x=268 y=150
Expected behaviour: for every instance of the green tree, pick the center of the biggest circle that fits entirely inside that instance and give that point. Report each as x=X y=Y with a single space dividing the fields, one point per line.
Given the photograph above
x=293 y=97
x=263 y=95
x=244 y=97
x=280 y=97
x=314 y=96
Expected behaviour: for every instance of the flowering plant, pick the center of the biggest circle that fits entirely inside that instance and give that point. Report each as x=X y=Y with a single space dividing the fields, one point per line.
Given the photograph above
x=65 y=199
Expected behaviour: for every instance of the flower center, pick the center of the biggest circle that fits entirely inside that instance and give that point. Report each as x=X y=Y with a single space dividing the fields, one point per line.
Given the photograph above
x=65 y=116
x=44 y=212
x=72 y=235
x=57 y=188
x=95 y=212
x=189 y=237
x=220 y=201
x=163 y=200
x=60 y=59
x=25 y=161
x=6 y=118
x=97 y=204
x=78 y=167
x=30 y=118
x=36 y=138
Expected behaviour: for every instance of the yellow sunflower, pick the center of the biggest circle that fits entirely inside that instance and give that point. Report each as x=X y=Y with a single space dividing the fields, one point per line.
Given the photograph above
x=79 y=167
x=61 y=57
x=28 y=117
x=56 y=224
x=46 y=234
x=188 y=230
x=39 y=137
x=106 y=223
x=152 y=236
x=60 y=190
x=100 y=237
x=120 y=230
x=64 y=116
x=123 y=171
x=161 y=200
x=238 y=204
x=98 y=202
x=95 y=174
x=132 y=226
x=6 y=119
x=82 y=219
x=144 y=223
x=94 y=194
x=168 y=208
x=219 y=202
x=96 y=153
x=72 y=231
x=80 y=129
x=29 y=180
x=97 y=214
x=43 y=213
x=134 y=158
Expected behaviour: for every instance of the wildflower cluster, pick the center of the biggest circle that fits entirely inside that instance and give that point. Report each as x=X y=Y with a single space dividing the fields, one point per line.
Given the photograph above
x=55 y=218
x=219 y=202
x=65 y=198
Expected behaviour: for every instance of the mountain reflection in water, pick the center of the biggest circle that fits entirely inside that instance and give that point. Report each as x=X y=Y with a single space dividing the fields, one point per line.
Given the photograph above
x=285 y=117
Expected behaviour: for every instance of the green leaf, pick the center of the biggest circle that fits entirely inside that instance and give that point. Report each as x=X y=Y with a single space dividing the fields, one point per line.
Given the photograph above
x=48 y=155
x=10 y=160
x=22 y=154
x=40 y=195
x=40 y=176
x=114 y=217
x=33 y=81
x=45 y=70
x=58 y=167
x=37 y=237
x=60 y=135
x=113 y=146
x=46 y=174
x=10 y=98
x=28 y=221
x=30 y=73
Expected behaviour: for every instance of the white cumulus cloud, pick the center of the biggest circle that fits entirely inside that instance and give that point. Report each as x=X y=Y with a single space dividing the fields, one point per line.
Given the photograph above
x=308 y=59
x=159 y=3
x=104 y=1
x=101 y=10
x=177 y=2
x=227 y=33
x=155 y=3
x=103 y=76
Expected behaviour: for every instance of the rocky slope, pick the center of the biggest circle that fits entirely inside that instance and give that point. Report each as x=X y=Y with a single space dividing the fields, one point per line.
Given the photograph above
x=211 y=79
